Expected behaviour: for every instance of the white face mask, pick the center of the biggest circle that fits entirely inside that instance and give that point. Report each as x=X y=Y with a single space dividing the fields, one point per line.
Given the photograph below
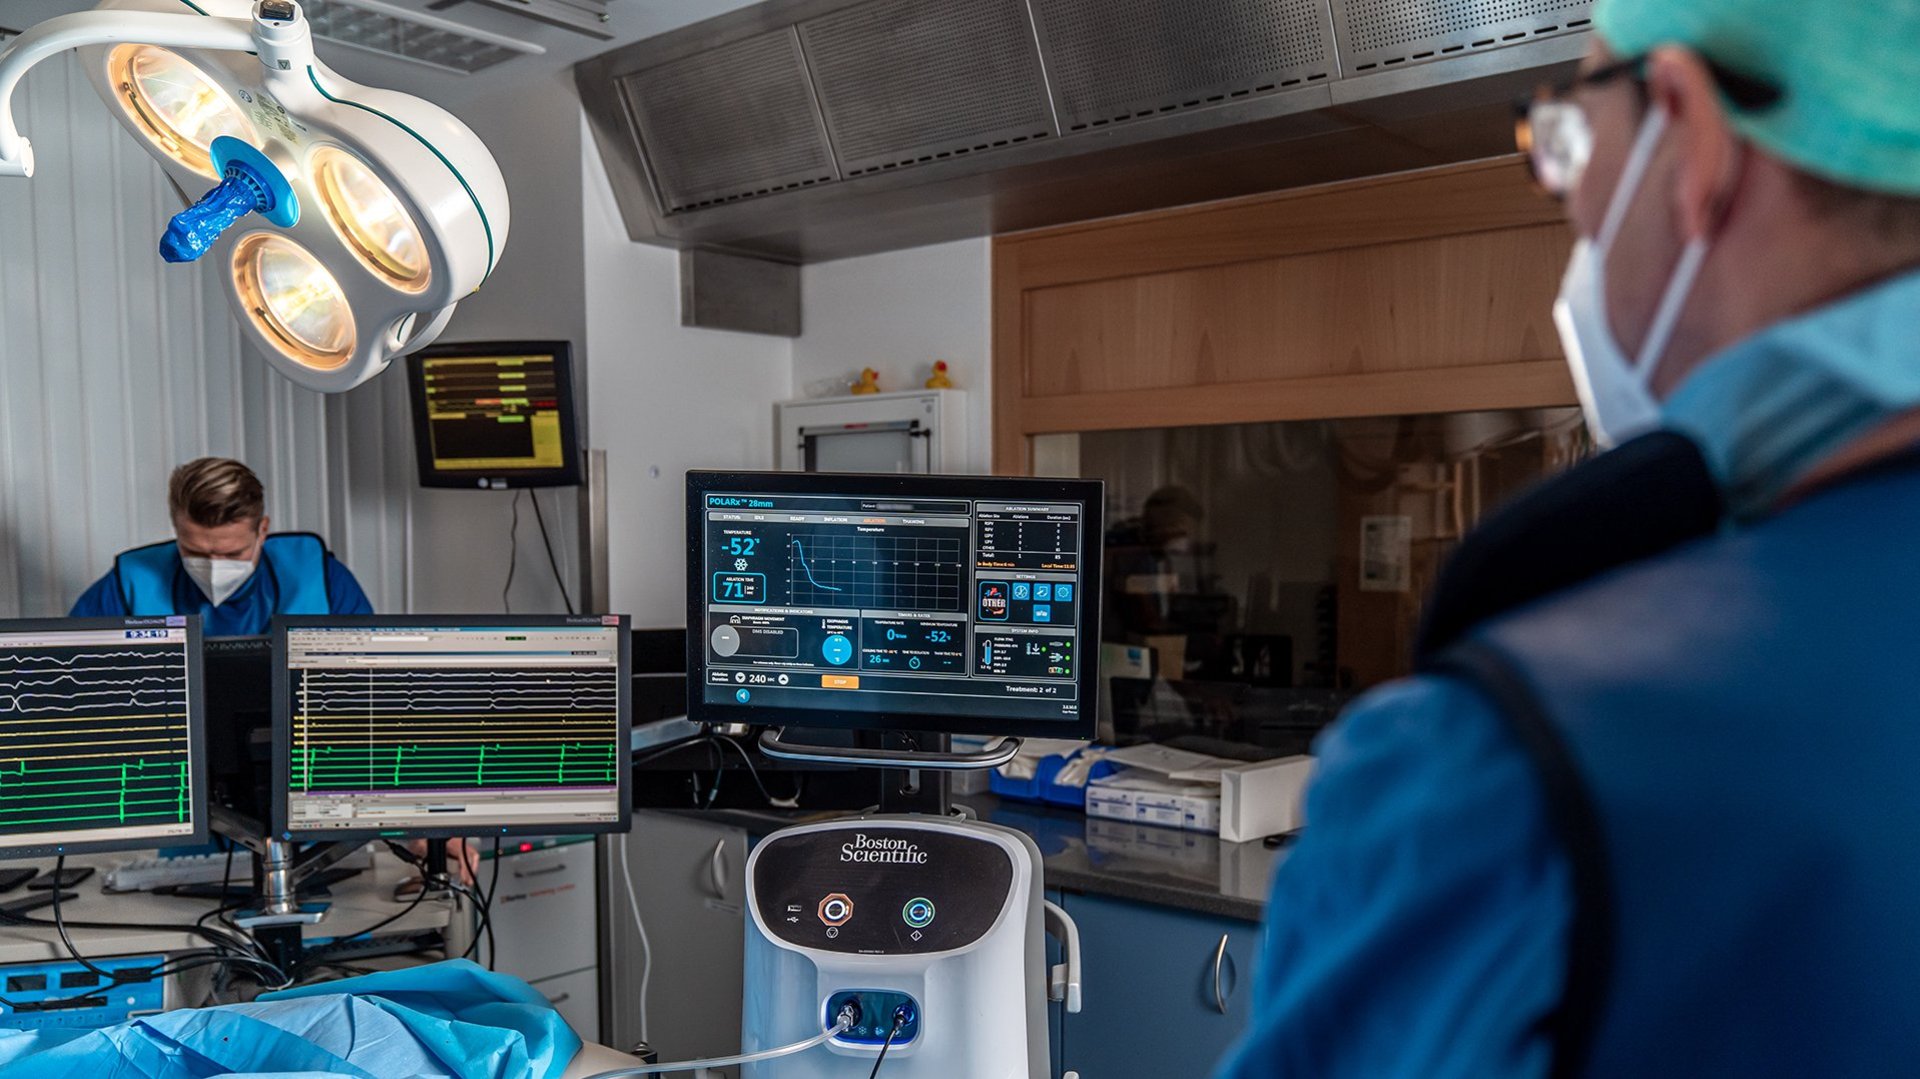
x=1617 y=393
x=218 y=578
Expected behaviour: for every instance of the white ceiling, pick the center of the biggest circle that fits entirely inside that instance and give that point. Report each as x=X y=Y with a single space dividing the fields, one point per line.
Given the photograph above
x=632 y=20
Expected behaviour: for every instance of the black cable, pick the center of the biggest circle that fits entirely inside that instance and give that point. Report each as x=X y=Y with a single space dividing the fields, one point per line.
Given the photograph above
x=747 y=759
x=899 y=1021
x=382 y=924
x=226 y=876
x=485 y=928
x=671 y=747
x=513 y=554
x=552 y=562
x=493 y=887
x=60 y=923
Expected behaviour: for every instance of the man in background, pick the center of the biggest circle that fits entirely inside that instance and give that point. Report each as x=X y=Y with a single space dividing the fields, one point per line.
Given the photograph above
x=223 y=563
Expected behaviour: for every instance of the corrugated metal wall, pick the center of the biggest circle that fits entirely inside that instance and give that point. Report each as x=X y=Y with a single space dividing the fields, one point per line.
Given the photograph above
x=114 y=367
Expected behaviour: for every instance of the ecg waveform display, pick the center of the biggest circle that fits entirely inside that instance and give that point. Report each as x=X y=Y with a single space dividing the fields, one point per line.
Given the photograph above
x=400 y=729
x=904 y=571
x=94 y=737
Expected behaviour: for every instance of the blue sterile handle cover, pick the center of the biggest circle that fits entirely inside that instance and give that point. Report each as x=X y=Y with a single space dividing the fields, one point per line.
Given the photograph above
x=252 y=184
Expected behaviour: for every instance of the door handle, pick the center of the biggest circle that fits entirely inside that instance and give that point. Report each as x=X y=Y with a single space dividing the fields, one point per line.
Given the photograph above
x=561 y=868
x=1219 y=975
x=559 y=1000
x=717 y=869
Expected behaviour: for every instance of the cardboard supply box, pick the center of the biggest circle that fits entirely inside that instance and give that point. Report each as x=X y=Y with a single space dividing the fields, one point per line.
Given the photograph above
x=1149 y=799
x=1174 y=789
x=1263 y=799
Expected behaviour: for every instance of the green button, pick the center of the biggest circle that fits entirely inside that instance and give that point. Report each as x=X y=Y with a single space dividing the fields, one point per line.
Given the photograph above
x=918 y=913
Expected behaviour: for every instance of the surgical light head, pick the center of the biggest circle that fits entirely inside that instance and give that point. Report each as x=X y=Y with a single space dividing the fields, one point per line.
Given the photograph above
x=344 y=221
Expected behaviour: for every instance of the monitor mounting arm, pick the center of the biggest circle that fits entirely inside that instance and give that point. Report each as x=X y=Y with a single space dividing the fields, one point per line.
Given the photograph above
x=993 y=755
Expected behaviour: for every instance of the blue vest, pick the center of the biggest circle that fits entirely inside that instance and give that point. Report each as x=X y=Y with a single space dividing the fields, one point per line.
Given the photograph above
x=296 y=563
x=1729 y=734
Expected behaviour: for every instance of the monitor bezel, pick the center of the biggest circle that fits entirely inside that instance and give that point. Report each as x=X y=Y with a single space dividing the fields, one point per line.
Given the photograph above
x=1090 y=493
x=283 y=726
x=10 y=847
x=431 y=475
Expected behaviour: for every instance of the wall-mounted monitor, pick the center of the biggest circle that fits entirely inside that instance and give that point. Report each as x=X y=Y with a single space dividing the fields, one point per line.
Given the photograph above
x=496 y=414
x=967 y=605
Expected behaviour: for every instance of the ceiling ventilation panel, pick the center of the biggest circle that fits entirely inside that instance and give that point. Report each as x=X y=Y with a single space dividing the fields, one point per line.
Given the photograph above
x=906 y=82
x=1379 y=34
x=411 y=35
x=730 y=123
x=1111 y=61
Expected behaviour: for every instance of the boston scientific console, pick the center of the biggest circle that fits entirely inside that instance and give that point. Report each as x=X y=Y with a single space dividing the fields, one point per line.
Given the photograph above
x=962 y=605
x=896 y=603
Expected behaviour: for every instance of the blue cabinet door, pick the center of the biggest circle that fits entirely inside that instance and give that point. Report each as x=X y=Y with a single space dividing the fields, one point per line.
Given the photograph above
x=1157 y=1004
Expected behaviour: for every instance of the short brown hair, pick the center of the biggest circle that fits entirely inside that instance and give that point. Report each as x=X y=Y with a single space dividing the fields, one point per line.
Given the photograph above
x=213 y=491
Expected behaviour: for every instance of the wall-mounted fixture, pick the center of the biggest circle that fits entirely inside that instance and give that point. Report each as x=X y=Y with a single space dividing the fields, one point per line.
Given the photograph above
x=344 y=221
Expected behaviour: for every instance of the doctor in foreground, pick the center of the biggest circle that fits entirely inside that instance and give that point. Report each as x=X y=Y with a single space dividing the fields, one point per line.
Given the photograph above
x=223 y=564
x=1649 y=807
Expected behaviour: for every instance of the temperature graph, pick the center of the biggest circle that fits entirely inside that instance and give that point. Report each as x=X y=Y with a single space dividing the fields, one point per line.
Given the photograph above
x=94 y=736
x=876 y=572
x=394 y=729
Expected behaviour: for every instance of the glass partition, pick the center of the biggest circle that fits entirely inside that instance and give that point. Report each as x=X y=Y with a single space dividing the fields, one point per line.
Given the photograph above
x=1260 y=575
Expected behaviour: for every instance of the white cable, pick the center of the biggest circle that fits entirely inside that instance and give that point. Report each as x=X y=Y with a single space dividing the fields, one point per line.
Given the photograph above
x=646 y=946
x=723 y=1062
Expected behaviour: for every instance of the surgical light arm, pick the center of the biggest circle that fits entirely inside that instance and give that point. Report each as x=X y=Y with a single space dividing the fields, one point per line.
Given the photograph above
x=65 y=32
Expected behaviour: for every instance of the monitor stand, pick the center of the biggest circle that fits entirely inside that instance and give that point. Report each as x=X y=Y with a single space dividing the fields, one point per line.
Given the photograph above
x=278 y=914
x=913 y=764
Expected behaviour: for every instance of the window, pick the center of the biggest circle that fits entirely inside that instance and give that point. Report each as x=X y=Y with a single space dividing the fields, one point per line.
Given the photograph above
x=1258 y=576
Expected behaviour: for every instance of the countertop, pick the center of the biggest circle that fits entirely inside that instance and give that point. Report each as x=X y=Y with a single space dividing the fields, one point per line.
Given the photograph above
x=357 y=903
x=1162 y=866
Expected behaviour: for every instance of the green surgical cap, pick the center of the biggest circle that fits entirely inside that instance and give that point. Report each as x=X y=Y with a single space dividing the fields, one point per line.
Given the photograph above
x=1848 y=71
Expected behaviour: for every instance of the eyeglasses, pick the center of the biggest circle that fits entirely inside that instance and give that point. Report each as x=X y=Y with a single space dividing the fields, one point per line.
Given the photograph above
x=1556 y=135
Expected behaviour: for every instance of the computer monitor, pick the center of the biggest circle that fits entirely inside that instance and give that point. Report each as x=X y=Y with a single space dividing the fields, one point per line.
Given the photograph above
x=495 y=415
x=443 y=726
x=965 y=605
x=101 y=735
x=239 y=679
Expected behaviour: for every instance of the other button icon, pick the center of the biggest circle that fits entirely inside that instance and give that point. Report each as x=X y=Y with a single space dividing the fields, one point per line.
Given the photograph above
x=743 y=695
x=836 y=909
x=918 y=914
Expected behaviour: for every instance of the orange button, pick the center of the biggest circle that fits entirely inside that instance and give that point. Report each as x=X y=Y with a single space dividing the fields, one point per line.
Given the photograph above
x=839 y=681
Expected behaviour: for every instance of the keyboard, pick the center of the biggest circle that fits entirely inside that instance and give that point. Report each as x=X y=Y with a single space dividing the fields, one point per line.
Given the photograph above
x=146 y=874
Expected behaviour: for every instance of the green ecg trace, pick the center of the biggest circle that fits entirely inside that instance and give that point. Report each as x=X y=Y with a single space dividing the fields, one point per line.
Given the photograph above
x=137 y=791
x=476 y=765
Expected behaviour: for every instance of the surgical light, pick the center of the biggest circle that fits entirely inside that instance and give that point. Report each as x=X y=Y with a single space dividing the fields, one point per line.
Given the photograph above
x=179 y=109
x=291 y=296
x=370 y=218
x=347 y=220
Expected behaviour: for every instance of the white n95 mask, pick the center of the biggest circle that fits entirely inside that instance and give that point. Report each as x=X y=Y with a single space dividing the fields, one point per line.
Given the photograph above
x=218 y=578
x=1617 y=393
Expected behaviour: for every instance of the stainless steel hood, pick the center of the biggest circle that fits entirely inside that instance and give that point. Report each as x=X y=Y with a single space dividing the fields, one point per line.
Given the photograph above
x=806 y=130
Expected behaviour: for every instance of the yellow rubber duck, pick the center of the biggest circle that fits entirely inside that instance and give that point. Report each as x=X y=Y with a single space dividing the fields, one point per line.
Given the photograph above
x=939 y=381
x=869 y=382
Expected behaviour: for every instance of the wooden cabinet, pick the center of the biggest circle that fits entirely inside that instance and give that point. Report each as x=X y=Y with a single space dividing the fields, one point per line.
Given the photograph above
x=1420 y=292
x=1166 y=991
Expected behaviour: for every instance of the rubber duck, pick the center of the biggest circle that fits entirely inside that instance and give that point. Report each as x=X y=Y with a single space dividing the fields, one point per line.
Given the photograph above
x=939 y=381
x=869 y=382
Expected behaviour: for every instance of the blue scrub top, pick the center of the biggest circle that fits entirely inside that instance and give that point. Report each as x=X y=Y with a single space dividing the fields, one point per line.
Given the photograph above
x=246 y=613
x=1418 y=928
